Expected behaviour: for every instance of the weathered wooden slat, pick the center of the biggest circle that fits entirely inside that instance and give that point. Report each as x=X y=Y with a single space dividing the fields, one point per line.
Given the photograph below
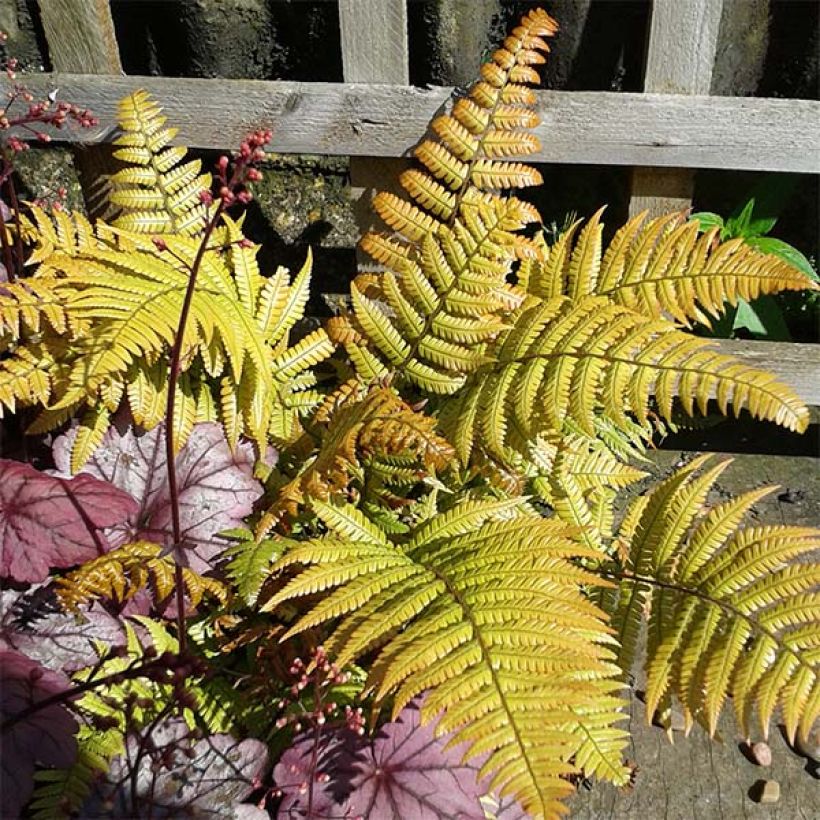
x=597 y=128
x=374 y=50
x=81 y=37
x=683 y=41
x=797 y=364
x=374 y=41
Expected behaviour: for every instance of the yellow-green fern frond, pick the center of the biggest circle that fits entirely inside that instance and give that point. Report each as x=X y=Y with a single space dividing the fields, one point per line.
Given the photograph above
x=481 y=607
x=60 y=793
x=112 y=304
x=120 y=574
x=657 y=267
x=157 y=193
x=733 y=611
x=578 y=477
x=566 y=360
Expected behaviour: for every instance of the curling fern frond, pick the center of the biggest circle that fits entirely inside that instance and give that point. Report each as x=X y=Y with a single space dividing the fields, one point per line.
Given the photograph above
x=733 y=610
x=157 y=193
x=357 y=423
x=481 y=607
x=566 y=360
x=120 y=574
x=444 y=291
x=248 y=562
x=657 y=267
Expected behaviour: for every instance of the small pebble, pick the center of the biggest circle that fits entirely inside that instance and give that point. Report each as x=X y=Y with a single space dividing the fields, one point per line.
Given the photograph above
x=677 y=720
x=766 y=791
x=809 y=746
x=761 y=753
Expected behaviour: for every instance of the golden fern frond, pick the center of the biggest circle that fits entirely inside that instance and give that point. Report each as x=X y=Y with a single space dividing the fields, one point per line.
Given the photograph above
x=575 y=360
x=444 y=290
x=357 y=423
x=481 y=607
x=657 y=267
x=116 y=299
x=733 y=611
x=578 y=477
x=122 y=573
x=157 y=193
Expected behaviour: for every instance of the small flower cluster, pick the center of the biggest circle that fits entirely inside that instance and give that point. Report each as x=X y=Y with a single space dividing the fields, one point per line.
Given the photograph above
x=48 y=112
x=232 y=178
x=317 y=676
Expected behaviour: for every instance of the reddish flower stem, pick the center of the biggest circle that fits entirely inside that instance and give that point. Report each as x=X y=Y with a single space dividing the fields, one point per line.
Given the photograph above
x=170 y=454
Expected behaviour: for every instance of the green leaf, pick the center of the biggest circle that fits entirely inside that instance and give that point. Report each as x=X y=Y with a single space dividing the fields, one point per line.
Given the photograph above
x=784 y=251
x=763 y=318
x=707 y=220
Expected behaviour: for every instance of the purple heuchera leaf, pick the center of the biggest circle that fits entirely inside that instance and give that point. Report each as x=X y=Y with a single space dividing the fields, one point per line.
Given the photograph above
x=182 y=775
x=34 y=625
x=405 y=771
x=216 y=486
x=45 y=737
x=48 y=522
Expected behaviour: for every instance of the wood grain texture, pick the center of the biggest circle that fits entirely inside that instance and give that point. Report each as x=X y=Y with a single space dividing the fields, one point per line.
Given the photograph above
x=683 y=39
x=80 y=35
x=374 y=50
x=683 y=42
x=374 y=41
x=796 y=364
x=598 y=128
x=81 y=38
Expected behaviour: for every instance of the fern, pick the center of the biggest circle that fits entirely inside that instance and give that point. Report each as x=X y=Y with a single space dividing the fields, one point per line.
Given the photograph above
x=733 y=610
x=577 y=360
x=120 y=574
x=481 y=607
x=357 y=423
x=656 y=267
x=444 y=293
x=157 y=192
x=94 y=323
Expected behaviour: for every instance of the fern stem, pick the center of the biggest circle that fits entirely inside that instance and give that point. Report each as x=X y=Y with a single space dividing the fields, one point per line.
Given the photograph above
x=170 y=454
x=18 y=229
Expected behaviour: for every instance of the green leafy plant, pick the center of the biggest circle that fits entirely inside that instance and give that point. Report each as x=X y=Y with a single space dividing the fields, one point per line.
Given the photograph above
x=753 y=222
x=436 y=534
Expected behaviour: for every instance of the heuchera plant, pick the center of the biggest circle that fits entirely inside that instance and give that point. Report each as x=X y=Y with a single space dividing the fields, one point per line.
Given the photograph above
x=371 y=569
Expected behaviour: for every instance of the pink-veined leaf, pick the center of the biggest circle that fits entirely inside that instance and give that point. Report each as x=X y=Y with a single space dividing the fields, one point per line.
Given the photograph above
x=405 y=771
x=34 y=624
x=48 y=522
x=181 y=775
x=216 y=486
x=45 y=737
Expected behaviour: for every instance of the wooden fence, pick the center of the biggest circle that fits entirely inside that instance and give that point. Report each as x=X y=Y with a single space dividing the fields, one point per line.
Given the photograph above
x=664 y=134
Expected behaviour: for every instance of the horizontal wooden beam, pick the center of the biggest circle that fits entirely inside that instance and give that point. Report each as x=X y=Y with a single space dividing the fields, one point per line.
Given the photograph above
x=795 y=363
x=597 y=128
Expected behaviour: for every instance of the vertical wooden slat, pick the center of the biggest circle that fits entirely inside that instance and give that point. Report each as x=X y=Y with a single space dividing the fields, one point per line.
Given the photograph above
x=681 y=55
x=374 y=50
x=81 y=40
